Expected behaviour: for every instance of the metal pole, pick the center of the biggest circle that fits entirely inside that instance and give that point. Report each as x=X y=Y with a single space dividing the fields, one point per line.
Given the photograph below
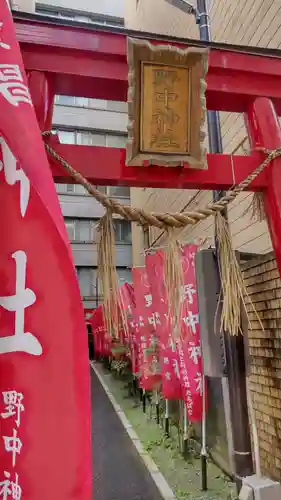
x=97 y=292
x=234 y=346
x=214 y=130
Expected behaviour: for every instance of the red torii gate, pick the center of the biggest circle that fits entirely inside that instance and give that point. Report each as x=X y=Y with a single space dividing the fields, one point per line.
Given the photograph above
x=238 y=81
x=90 y=62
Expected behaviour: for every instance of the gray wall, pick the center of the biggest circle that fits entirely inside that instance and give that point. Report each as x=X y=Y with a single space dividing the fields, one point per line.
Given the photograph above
x=85 y=255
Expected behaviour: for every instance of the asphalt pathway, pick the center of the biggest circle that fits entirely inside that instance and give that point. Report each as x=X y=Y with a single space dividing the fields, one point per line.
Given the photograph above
x=119 y=473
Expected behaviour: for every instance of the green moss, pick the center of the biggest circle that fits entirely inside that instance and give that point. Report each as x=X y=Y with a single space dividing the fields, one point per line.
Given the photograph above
x=183 y=476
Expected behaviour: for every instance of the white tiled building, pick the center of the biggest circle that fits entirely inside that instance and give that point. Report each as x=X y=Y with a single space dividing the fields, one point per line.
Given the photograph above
x=93 y=122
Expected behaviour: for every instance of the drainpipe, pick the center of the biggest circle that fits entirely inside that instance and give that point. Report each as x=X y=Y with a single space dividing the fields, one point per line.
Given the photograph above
x=234 y=345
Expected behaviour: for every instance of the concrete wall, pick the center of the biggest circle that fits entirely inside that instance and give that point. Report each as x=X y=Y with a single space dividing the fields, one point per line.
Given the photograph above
x=255 y=22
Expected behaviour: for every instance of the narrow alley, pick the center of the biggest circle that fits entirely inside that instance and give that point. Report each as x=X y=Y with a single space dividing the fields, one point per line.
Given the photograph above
x=118 y=471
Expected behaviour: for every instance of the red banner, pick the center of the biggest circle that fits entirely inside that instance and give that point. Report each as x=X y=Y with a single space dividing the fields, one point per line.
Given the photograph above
x=99 y=332
x=44 y=386
x=169 y=358
x=134 y=336
x=127 y=303
x=88 y=313
x=189 y=346
x=147 y=321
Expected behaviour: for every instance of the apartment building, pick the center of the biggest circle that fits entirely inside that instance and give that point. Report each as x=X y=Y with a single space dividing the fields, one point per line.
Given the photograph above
x=255 y=22
x=90 y=122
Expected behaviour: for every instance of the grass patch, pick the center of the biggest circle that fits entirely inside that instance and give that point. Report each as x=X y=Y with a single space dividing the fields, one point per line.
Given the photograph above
x=183 y=476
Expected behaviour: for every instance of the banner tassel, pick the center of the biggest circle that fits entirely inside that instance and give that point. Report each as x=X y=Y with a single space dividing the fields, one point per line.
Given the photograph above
x=113 y=311
x=233 y=289
x=174 y=280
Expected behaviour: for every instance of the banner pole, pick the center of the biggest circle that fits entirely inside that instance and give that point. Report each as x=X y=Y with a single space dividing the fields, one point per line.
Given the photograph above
x=204 y=486
x=167 y=430
x=157 y=407
x=143 y=401
x=185 y=433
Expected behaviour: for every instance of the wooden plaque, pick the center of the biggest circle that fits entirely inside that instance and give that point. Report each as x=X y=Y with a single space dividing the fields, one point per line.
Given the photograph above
x=166 y=99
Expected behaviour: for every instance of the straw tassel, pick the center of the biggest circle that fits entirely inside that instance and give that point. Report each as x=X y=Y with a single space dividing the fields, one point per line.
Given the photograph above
x=256 y=207
x=258 y=210
x=233 y=289
x=107 y=274
x=174 y=280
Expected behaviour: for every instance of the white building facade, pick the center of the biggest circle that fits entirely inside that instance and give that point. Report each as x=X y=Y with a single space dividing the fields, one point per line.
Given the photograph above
x=90 y=122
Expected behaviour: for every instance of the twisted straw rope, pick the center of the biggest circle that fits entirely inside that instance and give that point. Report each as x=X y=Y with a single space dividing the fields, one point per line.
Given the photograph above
x=163 y=220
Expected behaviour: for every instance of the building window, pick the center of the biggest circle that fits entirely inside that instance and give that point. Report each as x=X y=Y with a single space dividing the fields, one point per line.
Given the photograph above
x=70 y=227
x=90 y=139
x=67 y=137
x=124 y=275
x=118 y=191
x=82 y=230
x=115 y=141
x=91 y=103
x=88 y=283
x=65 y=100
x=85 y=281
x=86 y=138
x=123 y=232
x=82 y=102
x=60 y=188
x=79 y=16
x=77 y=189
x=85 y=230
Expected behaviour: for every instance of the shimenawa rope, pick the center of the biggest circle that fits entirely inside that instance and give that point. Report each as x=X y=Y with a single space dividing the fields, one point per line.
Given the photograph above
x=233 y=287
x=162 y=220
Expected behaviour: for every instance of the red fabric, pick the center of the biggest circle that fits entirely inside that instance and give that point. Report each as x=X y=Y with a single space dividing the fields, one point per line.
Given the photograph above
x=127 y=303
x=44 y=386
x=99 y=331
x=169 y=358
x=185 y=357
x=134 y=337
x=148 y=349
x=189 y=346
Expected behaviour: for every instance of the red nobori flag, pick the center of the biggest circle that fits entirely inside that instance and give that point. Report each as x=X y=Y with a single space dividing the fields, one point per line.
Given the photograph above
x=133 y=324
x=44 y=387
x=147 y=320
x=127 y=301
x=189 y=346
x=169 y=359
x=98 y=330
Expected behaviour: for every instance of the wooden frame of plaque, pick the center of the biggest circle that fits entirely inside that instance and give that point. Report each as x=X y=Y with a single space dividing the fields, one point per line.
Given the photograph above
x=166 y=105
